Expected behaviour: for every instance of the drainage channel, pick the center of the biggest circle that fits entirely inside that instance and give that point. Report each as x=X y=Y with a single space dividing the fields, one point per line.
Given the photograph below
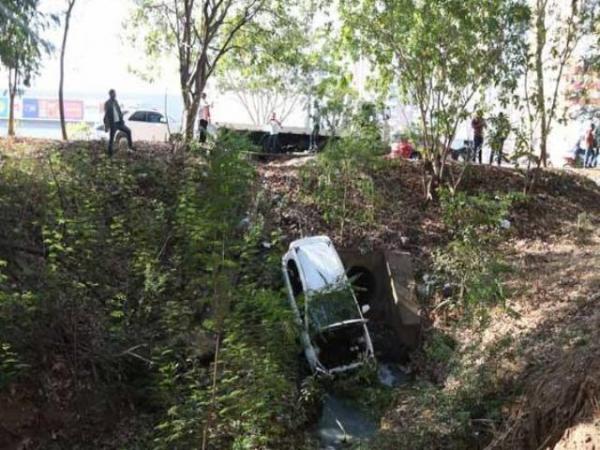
x=343 y=424
x=384 y=281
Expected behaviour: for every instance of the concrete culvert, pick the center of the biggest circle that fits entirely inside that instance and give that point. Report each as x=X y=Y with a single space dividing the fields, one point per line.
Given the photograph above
x=364 y=284
x=385 y=281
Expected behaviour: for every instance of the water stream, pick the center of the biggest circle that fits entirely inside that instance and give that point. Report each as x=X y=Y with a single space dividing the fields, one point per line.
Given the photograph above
x=343 y=424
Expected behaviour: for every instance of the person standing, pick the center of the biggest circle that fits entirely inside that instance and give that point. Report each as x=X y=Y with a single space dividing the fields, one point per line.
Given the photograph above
x=478 y=124
x=590 y=145
x=274 y=129
x=313 y=144
x=402 y=148
x=499 y=135
x=113 y=121
x=204 y=117
x=386 y=130
x=597 y=144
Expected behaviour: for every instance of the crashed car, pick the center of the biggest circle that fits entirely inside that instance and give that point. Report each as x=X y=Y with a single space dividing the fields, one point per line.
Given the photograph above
x=333 y=330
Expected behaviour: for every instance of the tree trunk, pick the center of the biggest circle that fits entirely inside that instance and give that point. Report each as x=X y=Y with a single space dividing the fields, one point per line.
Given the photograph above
x=61 y=105
x=12 y=92
x=190 y=119
x=540 y=30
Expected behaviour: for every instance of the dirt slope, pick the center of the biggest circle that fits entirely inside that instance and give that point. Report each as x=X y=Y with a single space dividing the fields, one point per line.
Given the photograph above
x=554 y=358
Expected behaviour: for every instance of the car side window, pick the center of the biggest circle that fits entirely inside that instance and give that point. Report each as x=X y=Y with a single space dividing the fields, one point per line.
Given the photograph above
x=154 y=117
x=294 y=275
x=297 y=291
x=138 y=116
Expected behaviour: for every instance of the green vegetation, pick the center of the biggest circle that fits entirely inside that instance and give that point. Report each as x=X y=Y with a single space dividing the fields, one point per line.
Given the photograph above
x=338 y=181
x=471 y=262
x=449 y=52
x=141 y=302
x=137 y=275
x=149 y=284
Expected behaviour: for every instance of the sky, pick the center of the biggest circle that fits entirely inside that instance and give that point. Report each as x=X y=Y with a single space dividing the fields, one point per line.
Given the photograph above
x=98 y=54
x=99 y=57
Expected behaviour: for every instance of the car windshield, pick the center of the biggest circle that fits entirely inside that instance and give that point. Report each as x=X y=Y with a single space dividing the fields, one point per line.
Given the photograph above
x=329 y=307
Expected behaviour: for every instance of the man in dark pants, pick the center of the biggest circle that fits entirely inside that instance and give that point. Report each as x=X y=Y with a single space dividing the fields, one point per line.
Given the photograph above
x=113 y=121
x=590 y=144
x=313 y=143
x=500 y=131
x=478 y=124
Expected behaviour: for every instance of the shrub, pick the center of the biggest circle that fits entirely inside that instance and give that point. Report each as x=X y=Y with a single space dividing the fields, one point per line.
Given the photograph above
x=340 y=183
x=471 y=261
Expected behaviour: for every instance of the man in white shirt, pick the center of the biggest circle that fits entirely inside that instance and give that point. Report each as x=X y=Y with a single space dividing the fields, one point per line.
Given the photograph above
x=274 y=129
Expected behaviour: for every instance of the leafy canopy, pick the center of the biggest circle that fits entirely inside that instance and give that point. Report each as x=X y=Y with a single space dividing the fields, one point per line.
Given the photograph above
x=439 y=53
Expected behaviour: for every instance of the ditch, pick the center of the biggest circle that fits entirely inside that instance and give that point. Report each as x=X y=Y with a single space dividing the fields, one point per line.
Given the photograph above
x=384 y=281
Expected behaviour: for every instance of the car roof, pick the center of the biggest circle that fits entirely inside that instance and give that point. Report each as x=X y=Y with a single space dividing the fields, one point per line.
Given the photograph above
x=132 y=111
x=319 y=263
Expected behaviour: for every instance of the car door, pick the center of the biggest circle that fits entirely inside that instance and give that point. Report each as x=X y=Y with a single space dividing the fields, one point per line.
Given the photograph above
x=157 y=127
x=138 y=125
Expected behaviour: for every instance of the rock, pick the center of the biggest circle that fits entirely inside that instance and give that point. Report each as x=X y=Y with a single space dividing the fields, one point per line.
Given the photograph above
x=244 y=223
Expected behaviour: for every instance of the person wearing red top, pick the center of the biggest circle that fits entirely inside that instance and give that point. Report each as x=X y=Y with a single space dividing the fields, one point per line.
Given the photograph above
x=478 y=124
x=590 y=143
x=401 y=149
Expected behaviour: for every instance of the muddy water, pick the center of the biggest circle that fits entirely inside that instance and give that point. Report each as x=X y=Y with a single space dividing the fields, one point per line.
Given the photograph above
x=342 y=424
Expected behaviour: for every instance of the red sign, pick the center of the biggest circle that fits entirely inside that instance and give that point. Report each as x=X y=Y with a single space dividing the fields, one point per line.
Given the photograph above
x=73 y=110
x=48 y=109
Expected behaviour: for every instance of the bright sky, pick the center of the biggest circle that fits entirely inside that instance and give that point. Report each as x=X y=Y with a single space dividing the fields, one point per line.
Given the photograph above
x=97 y=55
x=98 y=58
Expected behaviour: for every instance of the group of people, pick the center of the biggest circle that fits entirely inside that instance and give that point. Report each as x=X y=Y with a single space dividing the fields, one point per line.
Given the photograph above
x=499 y=134
x=114 y=121
x=473 y=152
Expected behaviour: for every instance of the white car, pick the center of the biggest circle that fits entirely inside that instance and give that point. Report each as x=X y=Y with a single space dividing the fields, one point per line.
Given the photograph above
x=145 y=125
x=333 y=330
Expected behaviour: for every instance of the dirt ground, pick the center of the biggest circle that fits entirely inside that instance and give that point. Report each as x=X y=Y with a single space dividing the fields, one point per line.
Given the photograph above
x=556 y=352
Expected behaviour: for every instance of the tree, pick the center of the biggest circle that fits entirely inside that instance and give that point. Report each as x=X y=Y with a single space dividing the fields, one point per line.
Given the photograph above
x=61 y=105
x=200 y=34
x=21 y=47
x=336 y=99
x=557 y=30
x=440 y=54
x=277 y=62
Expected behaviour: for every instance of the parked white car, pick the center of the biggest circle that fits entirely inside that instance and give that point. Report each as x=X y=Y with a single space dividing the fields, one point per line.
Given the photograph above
x=145 y=125
x=333 y=330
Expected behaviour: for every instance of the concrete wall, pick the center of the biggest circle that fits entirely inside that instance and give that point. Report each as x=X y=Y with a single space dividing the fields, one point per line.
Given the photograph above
x=391 y=293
